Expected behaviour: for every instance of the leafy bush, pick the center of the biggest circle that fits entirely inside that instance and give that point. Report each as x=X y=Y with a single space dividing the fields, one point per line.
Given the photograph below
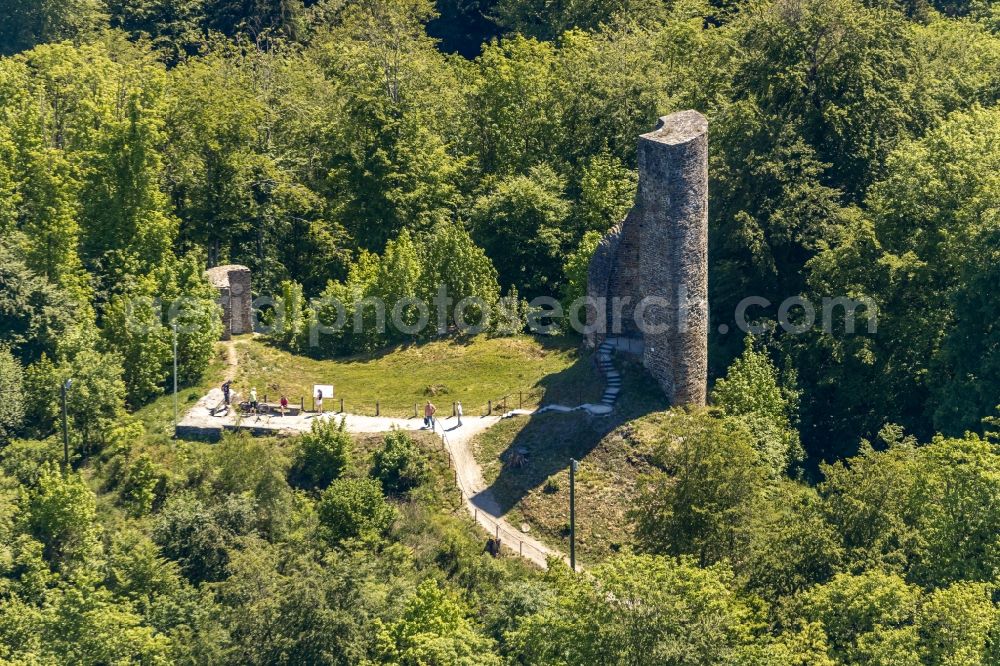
x=138 y=491
x=322 y=455
x=510 y=314
x=399 y=465
x=434 y=629
x=199 y=537
x=62 y=515
x=752 y=390
x=354 y=508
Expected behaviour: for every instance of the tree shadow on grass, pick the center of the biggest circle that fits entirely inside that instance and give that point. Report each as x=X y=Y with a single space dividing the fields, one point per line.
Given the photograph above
x=533 y=448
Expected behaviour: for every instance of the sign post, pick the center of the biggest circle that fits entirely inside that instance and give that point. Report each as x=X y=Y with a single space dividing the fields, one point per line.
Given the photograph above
x=325 y=389
x=573 y=464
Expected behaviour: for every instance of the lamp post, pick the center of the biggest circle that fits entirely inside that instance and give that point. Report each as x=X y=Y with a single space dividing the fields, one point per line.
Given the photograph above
x=573 y=464
x=65 y=428
x=175 y=379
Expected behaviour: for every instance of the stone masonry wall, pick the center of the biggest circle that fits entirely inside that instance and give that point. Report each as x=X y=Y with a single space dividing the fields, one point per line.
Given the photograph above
x=599 y=277
x=659 y=255
x=235 y=296
x=625 y=280
x=673 y=261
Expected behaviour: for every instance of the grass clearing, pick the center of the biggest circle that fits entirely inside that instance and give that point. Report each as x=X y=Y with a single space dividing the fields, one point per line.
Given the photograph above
x=473 y=371
x=613 y=451
x=613 y=454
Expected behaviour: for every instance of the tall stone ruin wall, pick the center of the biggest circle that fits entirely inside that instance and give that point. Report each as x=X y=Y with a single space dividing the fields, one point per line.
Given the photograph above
x=614 y=272
x=235 y=297
x=673 y=260
x=658 y=256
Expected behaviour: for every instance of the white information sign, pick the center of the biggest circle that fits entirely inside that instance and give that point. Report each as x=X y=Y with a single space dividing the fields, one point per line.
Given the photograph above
x=327 y=390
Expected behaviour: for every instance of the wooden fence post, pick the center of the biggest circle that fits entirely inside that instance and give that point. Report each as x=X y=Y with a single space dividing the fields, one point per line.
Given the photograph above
x=302 y=405
x=489 y=407
x=341 y=405
x=378 y=408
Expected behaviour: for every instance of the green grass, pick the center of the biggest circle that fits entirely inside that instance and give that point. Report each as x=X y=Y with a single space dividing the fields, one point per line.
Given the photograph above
x=614 y=454
x=472 y=371
x=157 y=417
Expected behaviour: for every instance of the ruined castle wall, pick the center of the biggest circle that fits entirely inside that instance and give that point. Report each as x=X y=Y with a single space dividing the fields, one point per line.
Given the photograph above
x=242 y=300
x=673 y=258
x=599 y=276
x=235 y=297
x=658 y=260
x=625 y=280
x=614 y=274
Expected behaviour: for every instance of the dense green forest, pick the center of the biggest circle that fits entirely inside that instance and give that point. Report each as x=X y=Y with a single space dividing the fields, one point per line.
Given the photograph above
x=838 y=504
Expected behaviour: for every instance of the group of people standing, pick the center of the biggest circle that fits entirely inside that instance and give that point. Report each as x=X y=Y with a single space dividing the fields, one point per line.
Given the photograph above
x=253 y=403
x=430 y=410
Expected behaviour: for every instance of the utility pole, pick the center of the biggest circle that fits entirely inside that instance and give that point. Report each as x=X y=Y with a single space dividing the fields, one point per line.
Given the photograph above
x=573 y=464
x=175 y=379
x=65 y=427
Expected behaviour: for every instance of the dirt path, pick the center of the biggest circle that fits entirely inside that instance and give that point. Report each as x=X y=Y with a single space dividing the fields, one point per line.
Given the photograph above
x=476 y=496
x=232 y=361
x=457 y=440
x=478 y=499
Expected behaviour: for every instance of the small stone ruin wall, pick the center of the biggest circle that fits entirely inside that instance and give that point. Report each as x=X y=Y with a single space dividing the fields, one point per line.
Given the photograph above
x=657 y=260
x=235 y=297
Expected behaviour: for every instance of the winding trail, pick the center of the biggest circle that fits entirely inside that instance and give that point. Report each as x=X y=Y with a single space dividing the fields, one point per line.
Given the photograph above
x=477 y=496
x=201 y=420
x=456 y=440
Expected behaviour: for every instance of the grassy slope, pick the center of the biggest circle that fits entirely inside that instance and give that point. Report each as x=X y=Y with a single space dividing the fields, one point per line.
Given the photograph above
x=613 y=454
x=433 y=531
x=549 y=370
x=472 y=371
x=157 y=417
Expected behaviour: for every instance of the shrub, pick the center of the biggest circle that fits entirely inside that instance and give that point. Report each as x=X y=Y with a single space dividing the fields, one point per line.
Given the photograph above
x=138 y=491
x=399 y=465
x=354 y=508
x=12 y=390
x=510 y=315
x=322 y=456
x=199 y=537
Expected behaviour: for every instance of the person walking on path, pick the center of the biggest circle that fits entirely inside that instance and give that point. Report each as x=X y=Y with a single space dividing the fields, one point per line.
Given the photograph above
x=284 y=405
x=319 y=400
x=429 y=410
x=458 y=413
